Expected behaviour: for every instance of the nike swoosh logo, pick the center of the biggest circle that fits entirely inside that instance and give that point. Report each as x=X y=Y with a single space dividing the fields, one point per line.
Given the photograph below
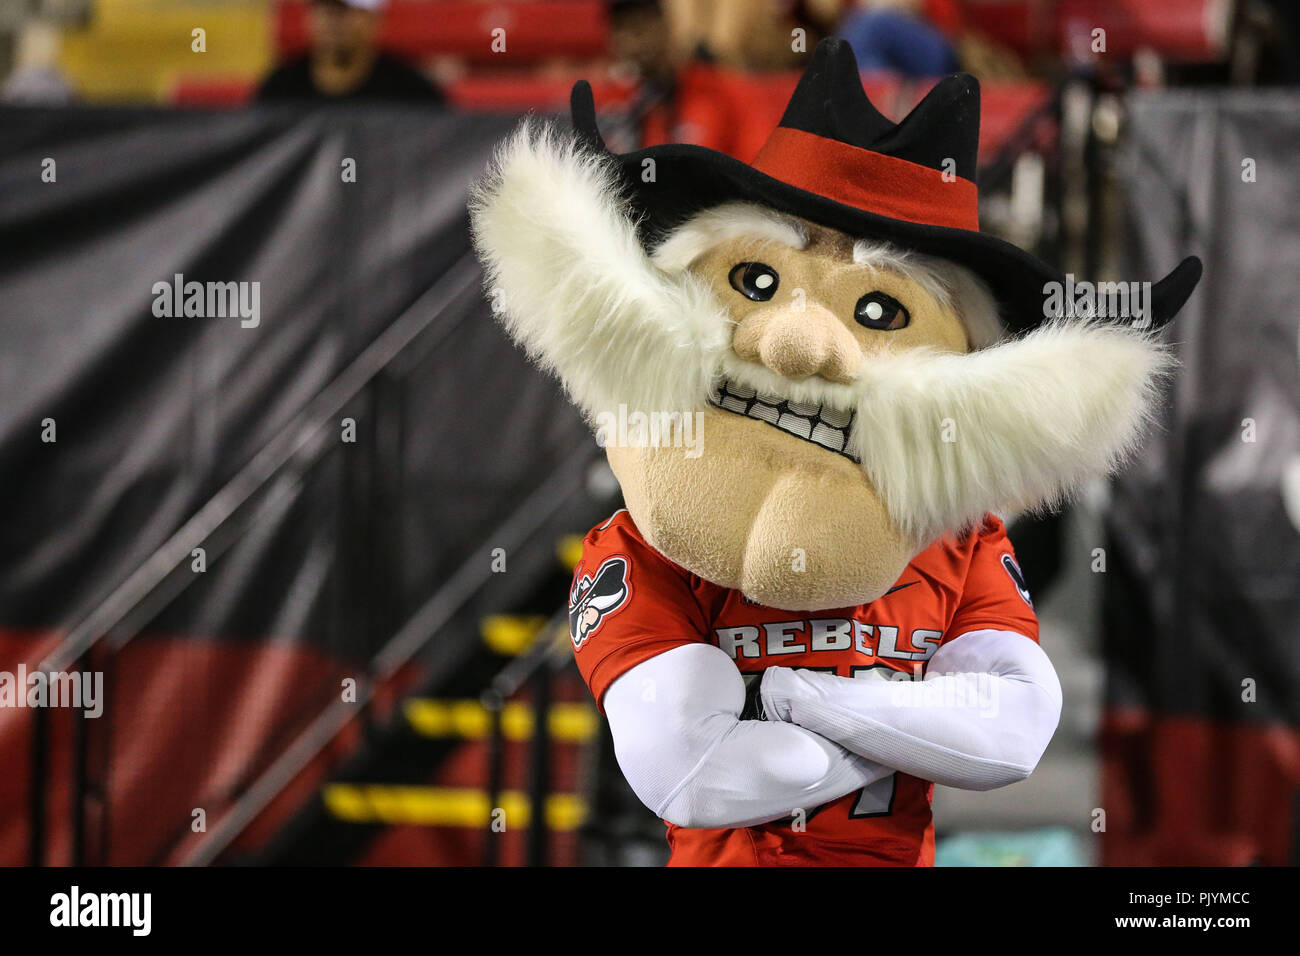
x=899 y=587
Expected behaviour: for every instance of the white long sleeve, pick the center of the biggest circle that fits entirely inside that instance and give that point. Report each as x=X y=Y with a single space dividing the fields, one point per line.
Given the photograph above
x=688 y=756
x=980 y=719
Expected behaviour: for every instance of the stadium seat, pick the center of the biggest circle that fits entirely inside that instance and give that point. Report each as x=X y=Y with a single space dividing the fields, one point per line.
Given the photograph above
x=134 y=50
x=506 y=92
x=211 y=92
x=1187 y=31
x=511 y=92
x=1025 y=26
x=1004 y=107
x=423 y=28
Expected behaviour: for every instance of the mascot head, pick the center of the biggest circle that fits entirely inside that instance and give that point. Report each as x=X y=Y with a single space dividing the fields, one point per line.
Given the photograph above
x=857 y=370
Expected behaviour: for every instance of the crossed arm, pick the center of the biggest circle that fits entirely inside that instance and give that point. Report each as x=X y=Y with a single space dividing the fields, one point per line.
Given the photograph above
x=981 y=719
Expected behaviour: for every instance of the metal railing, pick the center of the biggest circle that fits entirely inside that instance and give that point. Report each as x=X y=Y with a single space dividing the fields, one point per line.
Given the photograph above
x=273 y=474
x=409 y=641
x=536 y=670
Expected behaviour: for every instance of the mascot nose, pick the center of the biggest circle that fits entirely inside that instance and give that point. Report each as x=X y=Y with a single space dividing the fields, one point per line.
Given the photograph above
x=797 y=344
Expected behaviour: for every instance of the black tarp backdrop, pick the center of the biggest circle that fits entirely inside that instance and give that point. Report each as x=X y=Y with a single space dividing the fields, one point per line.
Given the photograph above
x=154 y=415
x=1203 y=585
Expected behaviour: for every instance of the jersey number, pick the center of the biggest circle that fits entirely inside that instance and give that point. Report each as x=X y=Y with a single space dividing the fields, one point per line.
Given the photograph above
x=875 y=799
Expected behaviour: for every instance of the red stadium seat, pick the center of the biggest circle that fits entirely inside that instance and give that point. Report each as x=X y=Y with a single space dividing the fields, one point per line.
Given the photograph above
x=1004 y=107
x=1188 y=31
x=512 y=92
x=1182 y=30
x=508 y=92
x=418 y=29
x=209 y=92
x=729 y=110
x=1025 y=26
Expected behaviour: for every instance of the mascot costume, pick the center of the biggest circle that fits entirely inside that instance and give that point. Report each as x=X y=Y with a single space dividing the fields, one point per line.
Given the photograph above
x=808 y=617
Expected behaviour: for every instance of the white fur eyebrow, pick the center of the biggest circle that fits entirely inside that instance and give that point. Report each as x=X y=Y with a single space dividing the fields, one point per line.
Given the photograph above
x=877 y=254
x=947 y=283
x=705 y=230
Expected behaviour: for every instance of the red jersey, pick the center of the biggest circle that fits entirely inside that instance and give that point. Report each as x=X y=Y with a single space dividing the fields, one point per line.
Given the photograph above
x=633 y=603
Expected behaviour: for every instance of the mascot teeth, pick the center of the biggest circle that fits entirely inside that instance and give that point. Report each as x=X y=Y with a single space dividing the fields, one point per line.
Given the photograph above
x=819 y=424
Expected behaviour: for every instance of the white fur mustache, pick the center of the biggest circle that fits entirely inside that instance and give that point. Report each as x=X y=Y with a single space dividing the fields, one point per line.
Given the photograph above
x=943 y=437
x=946 y=437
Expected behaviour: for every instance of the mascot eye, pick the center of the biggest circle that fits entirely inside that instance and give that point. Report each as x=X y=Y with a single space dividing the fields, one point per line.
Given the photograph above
x=876 y=310
x=755 y=281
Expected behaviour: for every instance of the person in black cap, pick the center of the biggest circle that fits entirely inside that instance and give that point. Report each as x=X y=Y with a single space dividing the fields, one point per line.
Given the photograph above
x=345 y=63
x=874 y=383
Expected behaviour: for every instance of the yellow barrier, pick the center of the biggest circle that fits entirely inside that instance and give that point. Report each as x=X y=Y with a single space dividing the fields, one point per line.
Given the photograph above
x=569 y=550
x=510 y=634
x=470 y=720
x=445 y=806
x=137 y=49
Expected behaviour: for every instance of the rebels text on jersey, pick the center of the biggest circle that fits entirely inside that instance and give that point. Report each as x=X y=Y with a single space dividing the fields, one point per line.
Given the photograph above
x=629 y=603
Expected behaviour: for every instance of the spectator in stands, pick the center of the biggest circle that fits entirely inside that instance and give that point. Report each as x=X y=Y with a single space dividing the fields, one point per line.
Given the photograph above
x=747 y=34
x=345 y=62
x=36 y=79
x=899 y=36
x=924 y=38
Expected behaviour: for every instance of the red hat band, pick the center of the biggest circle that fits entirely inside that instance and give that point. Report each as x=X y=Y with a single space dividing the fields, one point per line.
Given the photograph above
x=869 y=181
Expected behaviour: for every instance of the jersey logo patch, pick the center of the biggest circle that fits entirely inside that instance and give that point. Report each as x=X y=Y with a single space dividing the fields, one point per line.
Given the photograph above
x=595 y=597
x=1018 y=578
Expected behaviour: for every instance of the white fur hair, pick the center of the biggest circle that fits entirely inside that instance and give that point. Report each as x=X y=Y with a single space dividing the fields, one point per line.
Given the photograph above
x=733 y=220
x=569 y=276
x=1016 y=424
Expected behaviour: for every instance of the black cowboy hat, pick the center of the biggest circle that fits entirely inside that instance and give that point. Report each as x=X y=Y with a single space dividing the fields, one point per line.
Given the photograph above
x=837 y=161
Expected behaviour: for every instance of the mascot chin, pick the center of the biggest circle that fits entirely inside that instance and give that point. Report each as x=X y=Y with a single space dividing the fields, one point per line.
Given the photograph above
x=818 y=384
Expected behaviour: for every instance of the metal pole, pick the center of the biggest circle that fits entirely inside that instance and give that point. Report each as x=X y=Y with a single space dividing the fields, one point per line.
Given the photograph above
x=105 y=784
x=37 y=786
x=495 y=775
x=540 y=777
x=77 y=795
x=300 y=436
